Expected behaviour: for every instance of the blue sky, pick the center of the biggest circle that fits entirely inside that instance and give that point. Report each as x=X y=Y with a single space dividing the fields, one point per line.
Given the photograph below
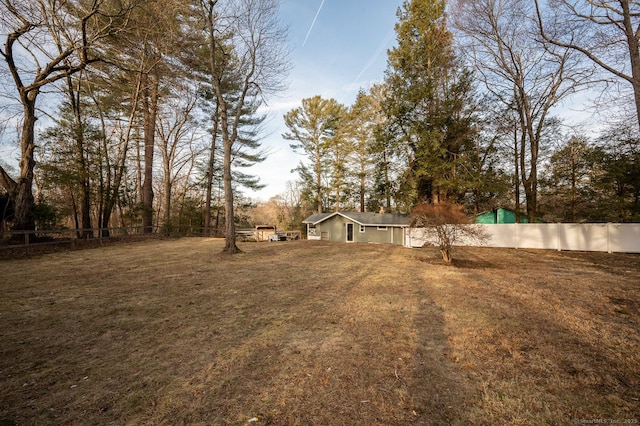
x=337 y=47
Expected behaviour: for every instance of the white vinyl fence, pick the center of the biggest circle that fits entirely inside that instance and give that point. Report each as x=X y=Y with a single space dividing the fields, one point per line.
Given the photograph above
x=606 y=237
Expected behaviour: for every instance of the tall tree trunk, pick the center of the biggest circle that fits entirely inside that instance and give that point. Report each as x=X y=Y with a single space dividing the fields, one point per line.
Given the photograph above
x=362 y=189
x=631 y=34
x=76 y=222
x=530 y=182
x=337 y=183
x=516 y=176
x=228 y=140
x=167 y=199
x=150 y=114
x=318 y=167
x=210 y=171
x=574 y=184
x=230 y=246
x=531 y=195
x=85 y=189
x=23 y=189
x=387 y=182
x=218 y=202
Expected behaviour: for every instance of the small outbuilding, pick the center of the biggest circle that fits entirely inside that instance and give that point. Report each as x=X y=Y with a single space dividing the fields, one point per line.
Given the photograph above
x=500 y=215
x=358 y=227
x=264 y=232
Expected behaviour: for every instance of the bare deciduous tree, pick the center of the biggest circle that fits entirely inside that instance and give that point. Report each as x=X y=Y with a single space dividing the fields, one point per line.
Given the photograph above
x=44 y=41
x=526 y=74
x=604 y=31
x=176 y=145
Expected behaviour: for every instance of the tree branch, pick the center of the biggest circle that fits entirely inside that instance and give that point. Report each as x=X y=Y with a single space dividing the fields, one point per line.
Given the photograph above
x=7 y=182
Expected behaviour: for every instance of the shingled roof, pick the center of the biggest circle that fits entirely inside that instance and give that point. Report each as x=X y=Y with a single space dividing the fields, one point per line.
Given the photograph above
x=365 y=219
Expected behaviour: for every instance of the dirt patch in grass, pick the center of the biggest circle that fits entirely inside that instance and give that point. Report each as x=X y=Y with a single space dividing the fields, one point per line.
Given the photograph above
x=170 y=332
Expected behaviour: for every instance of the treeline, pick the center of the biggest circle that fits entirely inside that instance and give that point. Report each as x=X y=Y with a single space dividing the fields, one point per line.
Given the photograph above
x=154 y=112
x=469 y=112
x=146 y=98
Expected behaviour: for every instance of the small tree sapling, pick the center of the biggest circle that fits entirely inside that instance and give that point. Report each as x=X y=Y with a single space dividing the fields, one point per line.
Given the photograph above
x=450 y=225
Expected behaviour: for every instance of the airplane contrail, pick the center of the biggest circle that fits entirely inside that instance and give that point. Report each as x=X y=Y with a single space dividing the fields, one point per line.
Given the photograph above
x=381 y=47
x=313 y=23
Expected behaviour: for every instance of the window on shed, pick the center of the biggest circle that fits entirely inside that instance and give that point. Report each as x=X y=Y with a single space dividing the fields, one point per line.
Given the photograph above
x=362 y=228
x=382 y=228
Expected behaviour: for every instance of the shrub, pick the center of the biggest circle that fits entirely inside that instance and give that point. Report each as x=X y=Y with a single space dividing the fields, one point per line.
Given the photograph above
x=449 y=224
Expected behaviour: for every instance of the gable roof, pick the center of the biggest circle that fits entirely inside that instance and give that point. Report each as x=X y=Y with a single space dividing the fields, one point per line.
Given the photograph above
x=365 y=219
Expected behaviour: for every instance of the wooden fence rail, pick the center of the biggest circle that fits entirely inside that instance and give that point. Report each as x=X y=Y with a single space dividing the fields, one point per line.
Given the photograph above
x=11 y=240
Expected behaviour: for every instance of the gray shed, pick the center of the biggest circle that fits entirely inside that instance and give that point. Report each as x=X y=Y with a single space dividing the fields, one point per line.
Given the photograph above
x=356 y=227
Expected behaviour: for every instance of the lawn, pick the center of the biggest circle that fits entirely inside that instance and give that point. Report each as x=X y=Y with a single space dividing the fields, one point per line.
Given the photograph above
x=171 y=332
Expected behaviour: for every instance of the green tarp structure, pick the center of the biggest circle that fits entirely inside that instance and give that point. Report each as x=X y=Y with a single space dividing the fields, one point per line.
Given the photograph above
x=500 y=215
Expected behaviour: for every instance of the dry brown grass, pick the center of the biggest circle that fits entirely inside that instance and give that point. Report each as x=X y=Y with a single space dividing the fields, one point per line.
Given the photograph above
x=171 y=332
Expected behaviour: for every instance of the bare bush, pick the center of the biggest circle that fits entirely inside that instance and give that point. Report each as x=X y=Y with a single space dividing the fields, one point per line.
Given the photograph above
x=449 y=224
